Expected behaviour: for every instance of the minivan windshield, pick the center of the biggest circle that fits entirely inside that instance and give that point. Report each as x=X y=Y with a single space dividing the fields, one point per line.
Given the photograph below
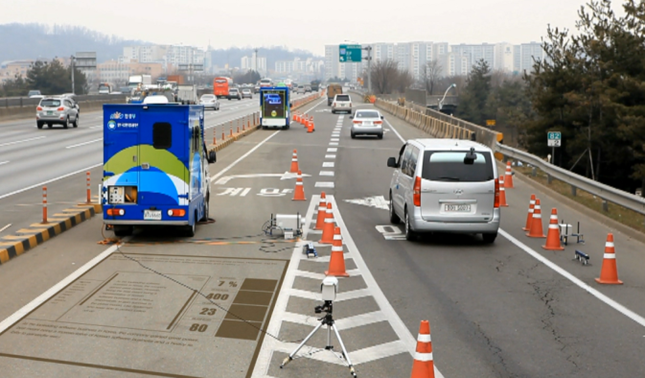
x=449 y=166
x=342 y=98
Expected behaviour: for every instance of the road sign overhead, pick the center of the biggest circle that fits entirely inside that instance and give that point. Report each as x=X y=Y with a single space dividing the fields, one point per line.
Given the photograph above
x=350 y=53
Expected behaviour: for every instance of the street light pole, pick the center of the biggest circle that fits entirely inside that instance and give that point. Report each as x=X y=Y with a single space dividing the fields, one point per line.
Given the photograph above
x=369 y=68
x=72 y=58
x=444 y=95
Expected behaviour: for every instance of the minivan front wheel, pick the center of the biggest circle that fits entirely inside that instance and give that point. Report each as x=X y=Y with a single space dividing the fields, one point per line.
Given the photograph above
x=394 y=219
x=409 y=233
x=489 y=238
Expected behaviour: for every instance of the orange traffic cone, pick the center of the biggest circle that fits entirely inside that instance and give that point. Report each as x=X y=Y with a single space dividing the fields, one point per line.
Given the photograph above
x=322 y=212
x=299 y=193
x=536 y=225
x=502 y=192
x=328 y=227
x=508 y=179
x=553 y=235
x=423 y=365
x=529 y=217
x=294 y=162
x=337 y=258
x=609 y=273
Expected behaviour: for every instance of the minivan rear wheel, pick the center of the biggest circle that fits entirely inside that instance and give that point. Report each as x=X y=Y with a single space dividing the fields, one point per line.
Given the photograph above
x=409 y=233
x=489 y=238
x=394 y=219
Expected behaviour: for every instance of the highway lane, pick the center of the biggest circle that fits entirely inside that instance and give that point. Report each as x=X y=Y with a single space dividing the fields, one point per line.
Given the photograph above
x=494 y=310
x=29 y=156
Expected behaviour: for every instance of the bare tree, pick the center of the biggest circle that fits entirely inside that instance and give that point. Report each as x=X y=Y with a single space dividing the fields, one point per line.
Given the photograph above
x=404 y=80
x=384 y=75
x=430 y=74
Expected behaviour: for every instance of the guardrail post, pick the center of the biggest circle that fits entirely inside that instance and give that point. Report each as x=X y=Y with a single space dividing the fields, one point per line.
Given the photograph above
x=574 y=190
x=605 y=206
x=549 y=179
x=534 y=172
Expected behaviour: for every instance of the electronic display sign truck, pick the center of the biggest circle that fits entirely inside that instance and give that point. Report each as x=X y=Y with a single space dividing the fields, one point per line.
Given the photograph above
x=155 y=166
x=275 y=108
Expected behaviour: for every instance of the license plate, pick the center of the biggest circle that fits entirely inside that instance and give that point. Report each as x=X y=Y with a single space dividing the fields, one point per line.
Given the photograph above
x=457 y=208
x=367 y=123
x=49 y=112
x=152 y=214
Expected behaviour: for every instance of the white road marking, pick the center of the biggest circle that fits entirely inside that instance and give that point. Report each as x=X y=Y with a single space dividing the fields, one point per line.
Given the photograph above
x=335 y=139
x=55 y=289
x=333 y=143
x=326 y=173
x=95 y=127
x=84 y=143
x=52 y=180
x=4 y=162
x=328 y=164
x=5 y=227
x=378 y=202
x=324 y=184
x=330 y=156
x=332 y=149
x=21 y=141
x=575 y=280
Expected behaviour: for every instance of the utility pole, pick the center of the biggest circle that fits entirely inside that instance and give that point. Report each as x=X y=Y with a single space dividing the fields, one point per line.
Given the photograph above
x=72 y=58
x=257 y=69
x=369 y=68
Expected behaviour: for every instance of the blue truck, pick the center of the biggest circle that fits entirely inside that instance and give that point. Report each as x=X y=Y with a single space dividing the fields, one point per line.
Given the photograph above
x=275 y=108
x=155 y=166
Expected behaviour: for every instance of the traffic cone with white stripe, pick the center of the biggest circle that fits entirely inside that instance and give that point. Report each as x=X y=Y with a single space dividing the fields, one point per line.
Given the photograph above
x=502 y=192
x=609 y=272
x=299 y=192
x=322 y=212
x=553 y=235
x=423 y=365
x=328 y=227
x=536 y=225
x=529 y=217
x=294 y=162
x=337 y=258
x=508 y=177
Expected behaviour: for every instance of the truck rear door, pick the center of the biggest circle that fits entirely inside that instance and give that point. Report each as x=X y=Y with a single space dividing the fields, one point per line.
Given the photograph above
x=121 y=144
x=163 y=156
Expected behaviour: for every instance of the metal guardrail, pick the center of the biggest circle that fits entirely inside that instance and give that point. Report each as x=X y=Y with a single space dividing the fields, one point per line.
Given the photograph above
x=21 y=102
x=598 y=189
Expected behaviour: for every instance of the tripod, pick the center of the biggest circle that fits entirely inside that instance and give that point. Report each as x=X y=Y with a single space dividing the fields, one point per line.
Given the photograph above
x=327 y=320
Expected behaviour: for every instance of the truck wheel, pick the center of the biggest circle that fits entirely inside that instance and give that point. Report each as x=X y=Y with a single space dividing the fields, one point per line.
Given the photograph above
x=39 y=124
x=206 y=208
x=66 y=124
x=190 y=229
x=75 y=123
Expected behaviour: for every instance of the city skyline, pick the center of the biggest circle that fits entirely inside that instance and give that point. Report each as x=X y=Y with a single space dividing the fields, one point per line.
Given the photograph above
x=306 y=27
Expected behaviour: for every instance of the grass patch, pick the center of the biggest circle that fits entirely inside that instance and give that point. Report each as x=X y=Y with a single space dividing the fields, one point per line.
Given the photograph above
x=618 y=213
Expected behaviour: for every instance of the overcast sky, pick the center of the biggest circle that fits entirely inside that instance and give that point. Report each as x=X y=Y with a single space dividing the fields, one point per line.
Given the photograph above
x=304 y=24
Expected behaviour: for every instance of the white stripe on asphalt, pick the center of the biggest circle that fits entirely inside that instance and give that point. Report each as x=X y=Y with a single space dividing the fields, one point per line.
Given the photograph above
x=84 y=143
x=21 y=141
x=48 y=181
x=4 y=162
x=612 y=303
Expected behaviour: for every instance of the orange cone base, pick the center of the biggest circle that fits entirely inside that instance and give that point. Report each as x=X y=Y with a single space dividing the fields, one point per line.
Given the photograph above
x=617 y=282
x=339 y=274
x=421 y=369
x=535 y=236
x=560 y=248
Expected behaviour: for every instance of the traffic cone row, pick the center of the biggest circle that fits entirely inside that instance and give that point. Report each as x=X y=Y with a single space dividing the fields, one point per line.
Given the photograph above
x=608 y=272
x=337 y=258
x=294 y=162
x=322 y=212
x=508 y=176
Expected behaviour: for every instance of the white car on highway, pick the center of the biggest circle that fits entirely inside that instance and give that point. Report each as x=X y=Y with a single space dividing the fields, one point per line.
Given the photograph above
x=209 y=101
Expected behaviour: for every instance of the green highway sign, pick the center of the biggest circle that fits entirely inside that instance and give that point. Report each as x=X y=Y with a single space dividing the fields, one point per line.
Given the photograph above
x=554 y=139
x=350 y=54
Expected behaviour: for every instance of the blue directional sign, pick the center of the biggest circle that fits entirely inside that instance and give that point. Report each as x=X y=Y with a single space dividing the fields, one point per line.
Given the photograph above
x=350 y=54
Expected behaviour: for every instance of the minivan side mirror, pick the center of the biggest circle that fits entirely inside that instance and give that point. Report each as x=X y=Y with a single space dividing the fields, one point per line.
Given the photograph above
x=382 y=117
x=351 y=117
x=212 y=157
x=391 y=162
x=470 y=157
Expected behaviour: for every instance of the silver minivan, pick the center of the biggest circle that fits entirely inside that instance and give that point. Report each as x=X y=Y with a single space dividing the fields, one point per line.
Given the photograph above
x=445 y=185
